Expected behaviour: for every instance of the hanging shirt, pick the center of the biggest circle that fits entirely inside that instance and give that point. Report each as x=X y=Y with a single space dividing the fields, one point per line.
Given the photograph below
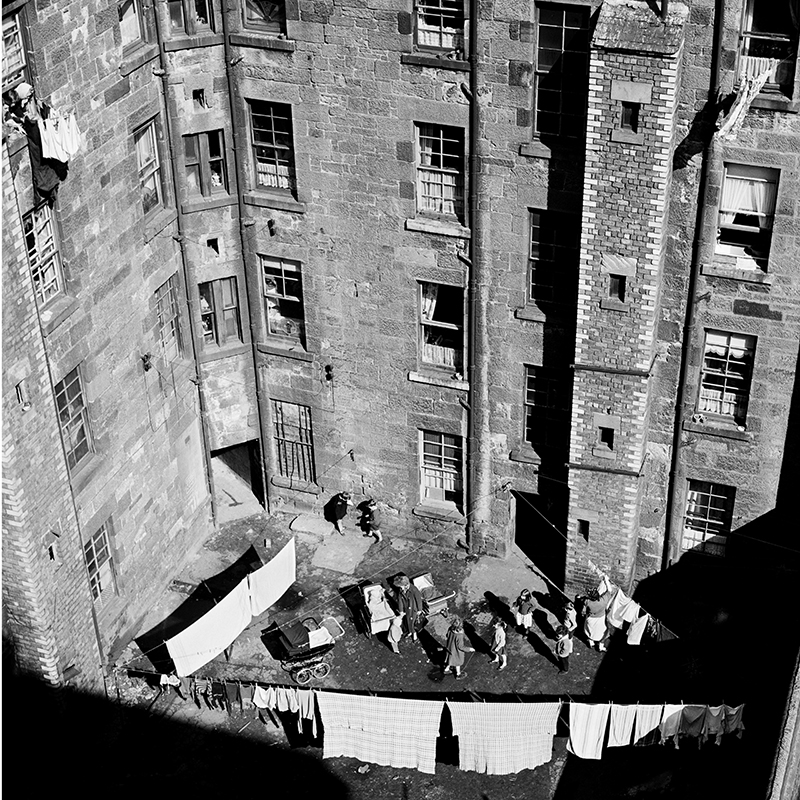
x=671 y=723
x=637 y=629
x=587 y=729
x=692 y=720
x=620 y=727
x=504 y=738
x=268 y=583
x=308 y=710
x=713 y=723
x=621 y=609
x=382 y=730
x=648 y=718
x=286 y=699
x=733 y=720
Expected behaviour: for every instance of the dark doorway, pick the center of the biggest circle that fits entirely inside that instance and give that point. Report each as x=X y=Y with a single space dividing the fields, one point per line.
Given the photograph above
x=238 y=485
x=540 y=542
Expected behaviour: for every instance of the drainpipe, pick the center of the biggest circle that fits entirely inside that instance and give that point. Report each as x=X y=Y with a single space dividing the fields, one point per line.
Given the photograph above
x=664 y=9
x=252 y=292
x=181 y=239
x=478 y=503
x=674 y=503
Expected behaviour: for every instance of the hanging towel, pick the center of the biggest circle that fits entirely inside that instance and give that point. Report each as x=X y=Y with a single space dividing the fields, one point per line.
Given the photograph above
x=186 y=687
x=271 y=581
x=308 y=710
x=286 y=699
x=231 y=695
x=713 y=723
x=621 y=609
x=261 y=698
x=587 y=729
x=620 y=727
x=671 y=723
x=504 y=738
x=733 y=720
x=247 y=695
x=212 y=633
x=648 y=719
x=381 y=730
x=637 y=629
x=692 y=720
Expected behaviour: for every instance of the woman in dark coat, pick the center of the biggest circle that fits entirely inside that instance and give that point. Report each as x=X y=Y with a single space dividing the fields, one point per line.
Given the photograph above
x=409 y=601
x=456 y=647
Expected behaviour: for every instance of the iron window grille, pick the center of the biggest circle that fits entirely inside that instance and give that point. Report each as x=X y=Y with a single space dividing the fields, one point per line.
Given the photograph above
x=73 y=418
x=442 y=326
x=440 y=25
x=707 y=523
x=169 y=329
x=553 y=248
x=100 y=563
x=149 y=164
x=43 y=254
x=294 y=441
x=206 y=168
x=441 y=466
x=283 y=297
x=440 y=171
x=219 y=313
x=271 y=133
x=726 y=374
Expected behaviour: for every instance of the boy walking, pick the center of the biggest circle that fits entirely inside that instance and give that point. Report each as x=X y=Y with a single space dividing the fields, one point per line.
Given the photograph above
x=499 y=644
x=563 y=648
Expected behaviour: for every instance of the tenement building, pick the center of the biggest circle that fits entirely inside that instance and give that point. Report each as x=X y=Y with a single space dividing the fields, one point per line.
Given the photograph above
x=523 y=271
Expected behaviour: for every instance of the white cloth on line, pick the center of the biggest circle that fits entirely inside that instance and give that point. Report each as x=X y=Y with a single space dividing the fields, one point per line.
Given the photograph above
x=622 y=609
x=671 y=722
x=637 y=629
x=648 y=718
x=382 y=730
x=212 y=633
x=270 y=582
x=587 y=729
x=308 y=710
x=286 y=699
x=504 y=738
x=262 y=698
x=620 y=725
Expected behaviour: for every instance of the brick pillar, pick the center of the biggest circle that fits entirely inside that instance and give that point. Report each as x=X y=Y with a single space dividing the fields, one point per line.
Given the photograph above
x=633 y=80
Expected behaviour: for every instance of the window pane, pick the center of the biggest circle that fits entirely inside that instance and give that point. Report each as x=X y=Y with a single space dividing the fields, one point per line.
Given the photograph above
x=268 y=16
x=176 y=15
x=128 y=22
x=72 y=417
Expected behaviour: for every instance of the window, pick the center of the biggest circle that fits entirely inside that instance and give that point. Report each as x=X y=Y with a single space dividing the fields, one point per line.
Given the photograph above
x=746 y=212
x=43 y=255
x=440 y=467
x=442 y=325
x=100 y=563
x=709 y=511
x=130 y=23
x=552 y=255
x=616 y=287
x=271 y=134
x=15 y=61
x=629 y=119
x=440 y=25
x=605 y=438
x=294 y=441
x=190 y=16
x=206 y=172
x=73 y=418
x=440 y=170
x=219 y=313
x=265 y=15
x=283 y=297
x=546 y=408
x=562 y=68
x=169 y=330
x=149 y=167
x=725 y=375
x=769 y=43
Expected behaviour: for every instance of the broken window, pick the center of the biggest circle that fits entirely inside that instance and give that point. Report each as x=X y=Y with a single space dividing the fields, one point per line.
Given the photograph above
x=15 y=61
x=100 y=562
x=271 y=135
x=440 y=25
x=441 y=459
x=294 y=441
x=726 y=374
x=206 y=170
x=43 y=254
x=190 y=16
x=265 y=15
x=442 y=326
x=130 y=23
x=546 y=408
x=73 y=418
x=440 y=170
x=769 y=42
x=219 y=313
x=552 y=255
x=709 y=512
x=746 y=213
x=169 y=329
x=629 y=117
x=149 y=164
x=283 y=297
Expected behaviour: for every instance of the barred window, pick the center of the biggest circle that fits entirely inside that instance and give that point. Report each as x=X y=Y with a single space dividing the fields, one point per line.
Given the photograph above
x=100 y=563
x=440 y=170
x=219 y=313
x=15 y=62
x=265 y=15
x=709 y=511
x=726 y=374
x=441 y=464
x=283 y=297
x=43 y=255
x=271 y=134
x=169 y=329
x=553 y=249
x=294 y=441
x=73 y=418
x=442 y=326
x=440 y=25
x=546 y=407
x=149 y=164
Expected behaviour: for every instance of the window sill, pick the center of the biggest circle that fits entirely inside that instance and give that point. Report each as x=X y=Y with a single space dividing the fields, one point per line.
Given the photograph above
x=736 y=274
x=226 y=351
x=773 y=102
x=298 y=486
x=263 y=41
x=609 y=304
x=207 y=203
x=156 y=222
x=538 y=149
x=444 y=512
x=288 y=351
x=186 y=42
x=82 y=475
x=142 y=55
x=438 y=226
x=723 y=429
x=282 y=202
x=626 y=137
x=438 y=380
x=56 y=312
x=424 y=60
x=530 y=313
x=524 y=455
x=604 y=452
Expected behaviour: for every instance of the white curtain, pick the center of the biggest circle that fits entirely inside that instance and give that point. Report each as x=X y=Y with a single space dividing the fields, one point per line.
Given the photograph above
x=747 y=196
x=430 y=291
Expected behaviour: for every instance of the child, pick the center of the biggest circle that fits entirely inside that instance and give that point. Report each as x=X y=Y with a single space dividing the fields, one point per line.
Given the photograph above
x=395 y=633
x=371 y=521
x=563 y=648
x=341 y=505
x=456 y=648
x=499 y=644
x=523 y=611
x=570 y=616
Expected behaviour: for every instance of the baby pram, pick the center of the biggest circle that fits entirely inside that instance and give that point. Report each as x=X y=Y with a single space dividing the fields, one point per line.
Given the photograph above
x=376 y=613
x=435 y=601
x=307 y=645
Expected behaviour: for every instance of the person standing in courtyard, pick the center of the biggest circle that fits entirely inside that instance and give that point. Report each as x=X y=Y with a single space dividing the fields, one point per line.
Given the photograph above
x=456 y=648
x=371 y=521
x=570 y=616
x=563 y=648
x=594 y=624
x=341 y=505
x=409 y=602
x=499 y=644
x=523 y=610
